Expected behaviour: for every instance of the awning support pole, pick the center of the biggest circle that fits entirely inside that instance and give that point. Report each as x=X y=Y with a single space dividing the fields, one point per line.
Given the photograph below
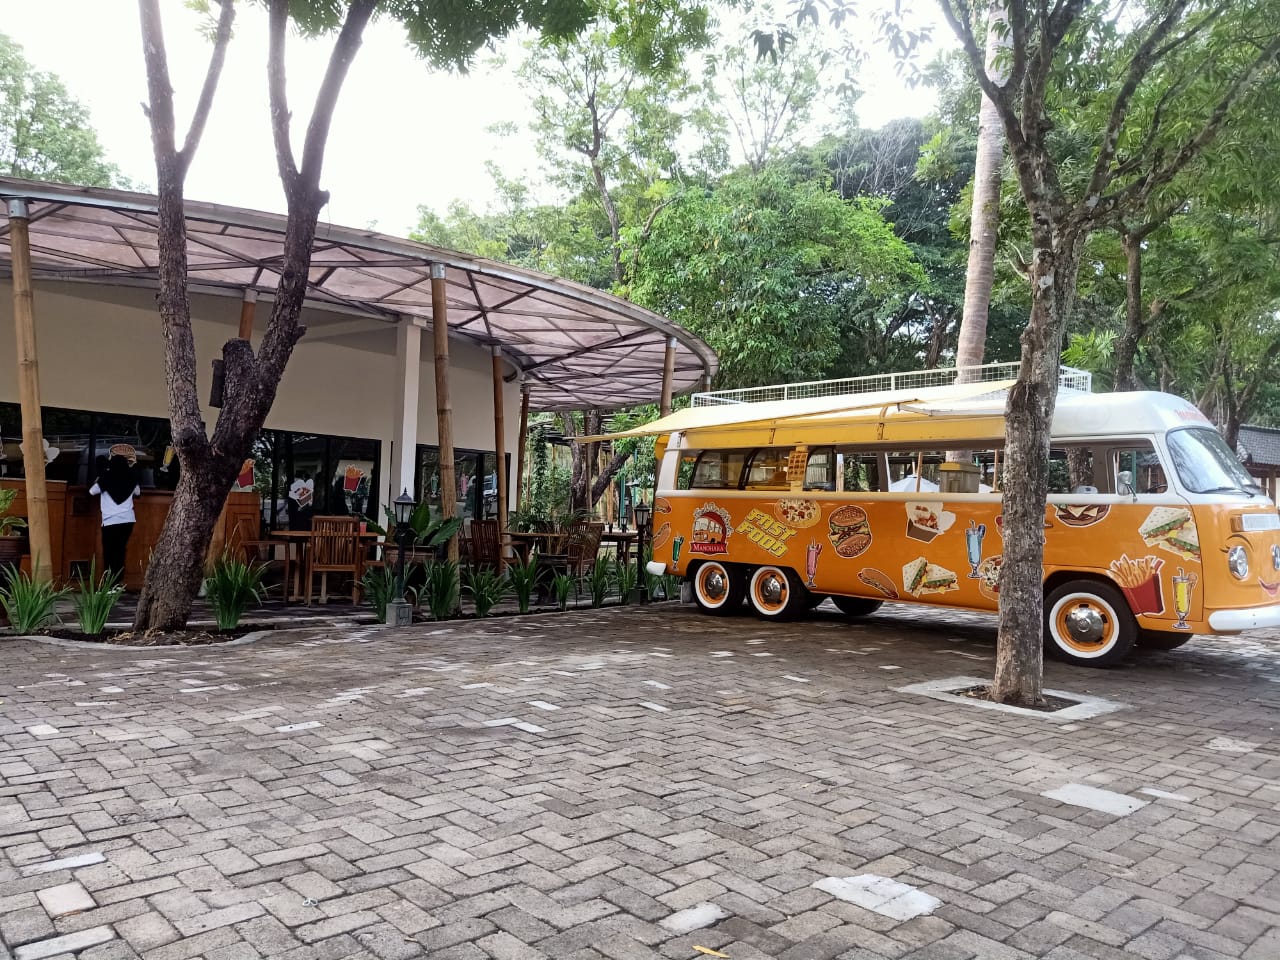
x=37 y=493
x=500 y=455
x=522 y=443
x=248 y=303
x=668 y=375
x=444 y=409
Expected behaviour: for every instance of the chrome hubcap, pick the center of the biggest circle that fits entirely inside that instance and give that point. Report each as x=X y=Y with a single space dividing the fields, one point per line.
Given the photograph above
x=771 y=588
x=714 y=585
x=1085 y=624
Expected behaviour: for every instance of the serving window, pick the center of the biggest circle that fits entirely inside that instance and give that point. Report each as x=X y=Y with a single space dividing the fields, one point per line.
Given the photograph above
x=718 y=469
x=767 y=469
x=820 y=471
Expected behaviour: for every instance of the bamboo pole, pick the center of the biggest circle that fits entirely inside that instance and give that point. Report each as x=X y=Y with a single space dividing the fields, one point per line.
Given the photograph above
x=668 y=375
x=444 y=408
x=521 y=444
x=500 y=455
x=248 y=303
x=37 y=492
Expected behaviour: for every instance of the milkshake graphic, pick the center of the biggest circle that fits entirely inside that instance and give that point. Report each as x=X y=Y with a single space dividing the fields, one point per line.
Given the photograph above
x=676 y=544
x=811 y=560
x=973 y=537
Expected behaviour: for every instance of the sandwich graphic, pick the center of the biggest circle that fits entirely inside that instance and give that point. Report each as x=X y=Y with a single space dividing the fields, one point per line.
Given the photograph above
x=1173 y=530
x=920 y=577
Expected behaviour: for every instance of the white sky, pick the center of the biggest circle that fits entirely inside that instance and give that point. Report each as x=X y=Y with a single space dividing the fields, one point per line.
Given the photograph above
x=402 y=135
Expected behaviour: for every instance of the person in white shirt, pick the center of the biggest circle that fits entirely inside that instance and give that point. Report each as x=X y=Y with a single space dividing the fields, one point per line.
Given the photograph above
x=116 y=489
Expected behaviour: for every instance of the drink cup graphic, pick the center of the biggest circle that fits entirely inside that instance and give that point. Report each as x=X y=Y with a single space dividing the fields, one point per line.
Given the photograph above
x=676 y=544
x=1183 y=586
x=974 y=534
x=811 y=560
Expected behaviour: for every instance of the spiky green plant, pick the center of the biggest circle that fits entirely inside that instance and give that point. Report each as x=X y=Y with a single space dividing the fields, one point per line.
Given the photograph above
x=599 y=580
x=230 y=587
x=486 y=588
x=95 y=598
x=627 y=576
x=379 y=586
x=562 y=585
x=9 y=523
x=441 y=588
x=30 y=604
x=523 y=578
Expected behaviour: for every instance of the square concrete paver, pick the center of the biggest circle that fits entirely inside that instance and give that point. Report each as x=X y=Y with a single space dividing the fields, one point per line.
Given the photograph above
x=343 y=792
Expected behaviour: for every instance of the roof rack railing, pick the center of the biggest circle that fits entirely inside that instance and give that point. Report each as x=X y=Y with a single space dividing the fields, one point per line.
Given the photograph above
x=1069 y=378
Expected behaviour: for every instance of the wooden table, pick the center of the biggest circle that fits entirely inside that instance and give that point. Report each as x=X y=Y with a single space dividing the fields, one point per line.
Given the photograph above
x=298 y=540
x=623 y=539
x=524 y=542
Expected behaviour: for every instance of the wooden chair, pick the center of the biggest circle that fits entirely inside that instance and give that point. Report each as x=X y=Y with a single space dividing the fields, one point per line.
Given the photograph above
x=334 y=547
x=486 y=543
x=245 y=540
x=583 y=545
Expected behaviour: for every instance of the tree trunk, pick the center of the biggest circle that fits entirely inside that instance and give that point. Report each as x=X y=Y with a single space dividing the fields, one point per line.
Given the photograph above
x=1019 y=675
x=1134 y=325
x=984 y=223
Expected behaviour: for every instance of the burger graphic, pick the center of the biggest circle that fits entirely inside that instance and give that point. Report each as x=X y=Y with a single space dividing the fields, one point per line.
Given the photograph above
x=849 y=532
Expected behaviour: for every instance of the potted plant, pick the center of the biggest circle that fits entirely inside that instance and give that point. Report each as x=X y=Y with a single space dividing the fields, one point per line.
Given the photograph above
x=11 y=528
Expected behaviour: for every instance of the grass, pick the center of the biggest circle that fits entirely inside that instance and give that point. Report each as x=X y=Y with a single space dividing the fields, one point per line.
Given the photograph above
x=231 y=586
x=29 y=603
x=95 y=598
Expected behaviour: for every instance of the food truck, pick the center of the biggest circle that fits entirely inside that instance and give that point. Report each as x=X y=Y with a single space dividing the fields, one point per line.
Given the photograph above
x=1153 y=529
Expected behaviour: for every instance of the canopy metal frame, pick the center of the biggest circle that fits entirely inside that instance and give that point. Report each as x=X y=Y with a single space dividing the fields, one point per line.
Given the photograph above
x=576 y=347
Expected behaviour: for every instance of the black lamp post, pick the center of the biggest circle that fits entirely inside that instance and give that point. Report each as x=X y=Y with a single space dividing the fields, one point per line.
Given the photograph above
x=642 y=535
x=399 y=612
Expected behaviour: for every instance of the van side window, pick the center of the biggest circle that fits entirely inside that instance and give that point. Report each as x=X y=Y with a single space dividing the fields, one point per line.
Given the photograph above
x=1071 y=470
x=684 y=472
x=718 y=469
x=767 y=469
x=820 y=472
x=1137 y=469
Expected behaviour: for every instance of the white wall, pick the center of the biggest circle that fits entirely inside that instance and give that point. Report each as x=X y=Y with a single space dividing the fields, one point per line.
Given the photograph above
x=101 y=348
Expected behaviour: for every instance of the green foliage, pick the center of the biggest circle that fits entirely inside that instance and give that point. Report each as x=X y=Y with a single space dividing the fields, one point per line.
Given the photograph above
x=95 y=597
x=379 y=586
x=599 y=580
x=627 y=576
x=30 y=604
x=230 y=587
x=44 y=133
x=9 y=524
x=486 y=588
x=442 y=588
x=523 y=577
x=428 y=531
x=562 y=584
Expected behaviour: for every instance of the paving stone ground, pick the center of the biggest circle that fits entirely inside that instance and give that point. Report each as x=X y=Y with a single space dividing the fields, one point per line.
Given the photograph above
x=558 y=786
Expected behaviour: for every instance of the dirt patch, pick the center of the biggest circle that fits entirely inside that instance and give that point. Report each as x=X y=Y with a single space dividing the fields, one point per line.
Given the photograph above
x=1047 y=705
x=155 y=638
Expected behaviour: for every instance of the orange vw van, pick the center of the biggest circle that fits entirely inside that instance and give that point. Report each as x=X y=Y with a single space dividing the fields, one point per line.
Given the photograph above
x=1153 y=529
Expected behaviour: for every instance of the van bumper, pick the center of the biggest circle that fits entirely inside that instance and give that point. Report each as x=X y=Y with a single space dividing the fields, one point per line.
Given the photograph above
x=1254 y=618
x=656 y=567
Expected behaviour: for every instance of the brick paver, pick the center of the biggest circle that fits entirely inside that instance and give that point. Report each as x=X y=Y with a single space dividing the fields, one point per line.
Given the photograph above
x=347 y=792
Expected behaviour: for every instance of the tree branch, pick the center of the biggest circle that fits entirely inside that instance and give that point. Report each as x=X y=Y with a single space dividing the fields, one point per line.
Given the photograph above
x=201 y=115
x=277 y=92
x=344 y=51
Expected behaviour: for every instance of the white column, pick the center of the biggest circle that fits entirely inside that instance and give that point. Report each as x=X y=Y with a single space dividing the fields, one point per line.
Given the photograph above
x=404 y=451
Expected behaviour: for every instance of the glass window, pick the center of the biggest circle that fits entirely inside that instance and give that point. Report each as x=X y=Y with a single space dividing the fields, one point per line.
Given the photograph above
x=353 y=466
x=11 y=440
x=768 y=469
x=149 y=438
x=684 y=472
x=820 y=471
x=69 y=434
x=718 y=469
x=1205 y=463
x=1137 y=469
x=861 y=473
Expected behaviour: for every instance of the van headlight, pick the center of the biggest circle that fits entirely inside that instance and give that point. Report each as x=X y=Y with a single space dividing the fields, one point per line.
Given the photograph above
x=1238 y=562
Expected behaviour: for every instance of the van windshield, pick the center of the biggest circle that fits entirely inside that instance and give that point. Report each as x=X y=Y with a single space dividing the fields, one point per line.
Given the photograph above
x=1205 y=463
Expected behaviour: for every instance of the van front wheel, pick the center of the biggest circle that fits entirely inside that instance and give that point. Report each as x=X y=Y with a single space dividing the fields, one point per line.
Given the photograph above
x=1088 y=623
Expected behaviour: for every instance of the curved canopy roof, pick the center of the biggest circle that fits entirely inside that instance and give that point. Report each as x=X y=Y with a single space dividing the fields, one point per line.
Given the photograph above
x=578 y=347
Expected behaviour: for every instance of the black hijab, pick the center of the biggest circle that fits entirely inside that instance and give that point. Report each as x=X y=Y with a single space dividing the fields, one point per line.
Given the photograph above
x=118 y=481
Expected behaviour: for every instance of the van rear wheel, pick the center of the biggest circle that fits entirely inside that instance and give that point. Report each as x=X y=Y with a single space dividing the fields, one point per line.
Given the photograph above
x=717 y=589
x=1088 y=622
x=776 y=593
x=857 y=606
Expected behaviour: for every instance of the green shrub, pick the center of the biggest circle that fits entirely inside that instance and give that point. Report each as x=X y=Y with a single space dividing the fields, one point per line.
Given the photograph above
x=379 y=586
x=9 y=524
x=231 y=586
x=95 y=598
x=441 y=588
x=562 y=585
x=29 y=604
x=524 y=577
x=486 y=588
x=599 y=580
x=627 y=576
